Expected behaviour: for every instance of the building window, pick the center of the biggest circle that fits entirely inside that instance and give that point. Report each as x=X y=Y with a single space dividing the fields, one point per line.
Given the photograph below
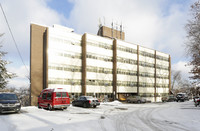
x=126 y=49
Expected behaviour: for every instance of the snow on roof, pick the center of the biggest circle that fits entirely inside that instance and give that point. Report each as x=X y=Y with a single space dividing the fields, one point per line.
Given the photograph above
x=57 y=89
x=63 y=28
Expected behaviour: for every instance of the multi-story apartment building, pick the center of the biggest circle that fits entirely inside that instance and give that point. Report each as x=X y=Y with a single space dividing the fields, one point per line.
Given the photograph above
x=96 y=65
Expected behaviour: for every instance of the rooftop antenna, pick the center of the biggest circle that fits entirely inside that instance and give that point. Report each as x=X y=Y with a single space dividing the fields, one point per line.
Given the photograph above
x=112 y=28
x=104 y=21
x=116 y=26
x=121 y=27
x=121 y=31
x=100 y=24
x=116 y=29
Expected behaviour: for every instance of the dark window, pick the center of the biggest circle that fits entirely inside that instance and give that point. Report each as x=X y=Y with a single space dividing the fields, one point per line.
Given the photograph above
x=58 y=94
x=64 y=94
x=44 y=95
x=82 y=98
x=49 y=96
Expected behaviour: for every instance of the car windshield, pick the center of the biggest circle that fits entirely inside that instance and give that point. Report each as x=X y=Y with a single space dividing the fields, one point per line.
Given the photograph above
x=8 y=97
x=180 y=95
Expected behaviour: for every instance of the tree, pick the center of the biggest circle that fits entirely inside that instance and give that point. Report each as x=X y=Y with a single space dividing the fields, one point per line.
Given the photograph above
x=193 y=43
x=4 y=74
x=176 y=78
x=23 y=94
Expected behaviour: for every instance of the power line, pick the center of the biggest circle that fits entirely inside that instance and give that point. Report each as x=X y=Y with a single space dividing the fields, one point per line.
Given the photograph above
x=13 y=38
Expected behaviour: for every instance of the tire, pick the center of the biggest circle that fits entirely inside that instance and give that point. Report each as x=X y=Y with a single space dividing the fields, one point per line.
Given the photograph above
x=139 y=102
x=94 y=106
x=50 y=107
x=84 y=105
x=39 y=106
x=73 y=104
x=128 y=101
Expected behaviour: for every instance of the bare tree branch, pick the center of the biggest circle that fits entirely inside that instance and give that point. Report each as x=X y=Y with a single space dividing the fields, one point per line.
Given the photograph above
x=193 y=43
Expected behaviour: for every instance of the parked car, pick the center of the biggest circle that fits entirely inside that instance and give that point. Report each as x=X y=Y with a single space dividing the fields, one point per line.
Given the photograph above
x=197 y=101
x=56 y=98
x=135 y=99
x=196 y=98
x=169 y=98
x=86 y=101
x=181 y=97
x=9 y=102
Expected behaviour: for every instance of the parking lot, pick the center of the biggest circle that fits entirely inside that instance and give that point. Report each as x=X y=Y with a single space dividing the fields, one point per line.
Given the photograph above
x=110 y=116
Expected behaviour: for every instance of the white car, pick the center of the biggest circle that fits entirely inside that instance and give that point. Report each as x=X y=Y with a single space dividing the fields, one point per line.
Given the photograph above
x=135 y=99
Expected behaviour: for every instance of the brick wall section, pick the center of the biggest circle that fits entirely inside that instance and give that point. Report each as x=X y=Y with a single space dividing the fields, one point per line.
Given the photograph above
x=115 y=68
x=169 y=74
x=111 y=33
x=83 y=82
x=38 y=40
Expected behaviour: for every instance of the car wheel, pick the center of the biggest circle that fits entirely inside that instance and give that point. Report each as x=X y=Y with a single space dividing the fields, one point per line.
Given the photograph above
x=138 y=102
x=39 y=106
x=128 y=101
x=94 y=106
x=50 y=107
x=85 y=105
x=73 y=104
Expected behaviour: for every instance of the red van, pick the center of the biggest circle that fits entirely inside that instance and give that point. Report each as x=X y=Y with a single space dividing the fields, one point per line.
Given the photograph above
x=53 y=98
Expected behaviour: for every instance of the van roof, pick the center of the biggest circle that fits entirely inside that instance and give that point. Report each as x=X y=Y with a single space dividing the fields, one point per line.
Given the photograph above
x=181 y=93
x=7 y=93
x=56 y=89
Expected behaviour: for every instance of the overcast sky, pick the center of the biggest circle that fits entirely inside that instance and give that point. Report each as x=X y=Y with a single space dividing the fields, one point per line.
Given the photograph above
x=156 y=24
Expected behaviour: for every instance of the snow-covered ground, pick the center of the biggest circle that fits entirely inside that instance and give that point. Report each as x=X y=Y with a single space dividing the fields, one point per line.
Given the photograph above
x=111 y=116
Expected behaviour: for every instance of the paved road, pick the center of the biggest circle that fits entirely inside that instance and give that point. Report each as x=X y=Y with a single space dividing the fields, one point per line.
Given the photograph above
x=155 y=117
x=181 y=116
